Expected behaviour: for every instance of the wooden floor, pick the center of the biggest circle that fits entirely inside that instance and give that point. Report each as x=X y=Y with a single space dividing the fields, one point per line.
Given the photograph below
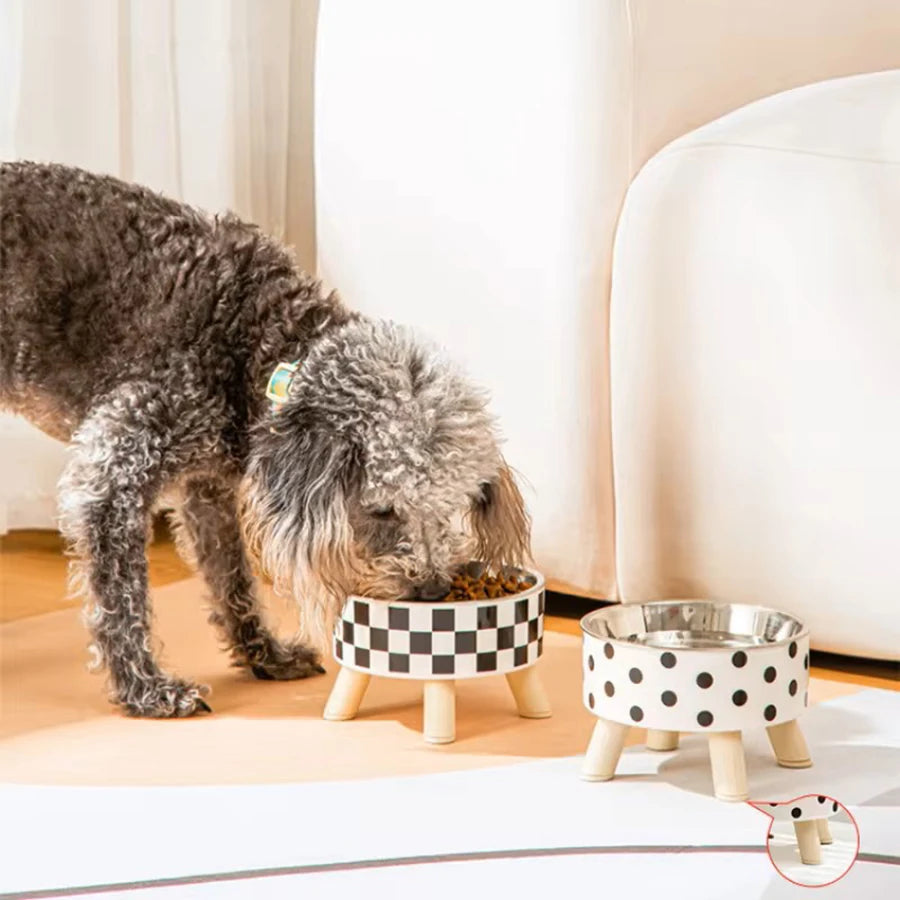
x=33 y=569
x=33 y=581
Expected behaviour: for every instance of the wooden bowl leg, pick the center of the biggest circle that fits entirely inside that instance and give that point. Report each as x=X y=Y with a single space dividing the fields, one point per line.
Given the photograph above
x=603 y=751
x=808 y=842
x=439 y=712
x=528 y=692
x=346 y=695
x=729 y=771
x=662 y=740
x=824 y=831
x=789 y=745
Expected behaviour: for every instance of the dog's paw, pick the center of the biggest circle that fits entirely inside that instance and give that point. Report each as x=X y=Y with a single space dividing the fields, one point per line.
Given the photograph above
x=286 y=662
x=166 y=698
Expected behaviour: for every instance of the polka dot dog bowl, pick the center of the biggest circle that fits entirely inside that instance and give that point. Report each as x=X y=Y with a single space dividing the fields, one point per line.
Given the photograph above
x=809 y=815
x=437 y=643
x=695 y=666
x=801 y=809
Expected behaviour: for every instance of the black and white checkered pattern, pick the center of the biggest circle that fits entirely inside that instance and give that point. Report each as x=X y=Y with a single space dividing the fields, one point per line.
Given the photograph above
x=435 y=641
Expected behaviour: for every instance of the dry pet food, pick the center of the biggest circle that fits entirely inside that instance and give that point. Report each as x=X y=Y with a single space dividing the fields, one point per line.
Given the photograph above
x=466 y=586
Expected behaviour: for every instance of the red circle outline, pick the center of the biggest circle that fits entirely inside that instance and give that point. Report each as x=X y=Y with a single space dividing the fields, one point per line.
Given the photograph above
x=756 y=805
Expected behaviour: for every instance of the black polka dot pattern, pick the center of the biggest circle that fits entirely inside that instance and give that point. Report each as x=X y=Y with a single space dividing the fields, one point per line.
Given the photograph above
x=682 y=689
x=806 y=662
x=802 y=809
x=591 y=701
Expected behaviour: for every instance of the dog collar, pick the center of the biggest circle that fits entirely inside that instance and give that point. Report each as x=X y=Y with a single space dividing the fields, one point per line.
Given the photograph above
x=280 y=384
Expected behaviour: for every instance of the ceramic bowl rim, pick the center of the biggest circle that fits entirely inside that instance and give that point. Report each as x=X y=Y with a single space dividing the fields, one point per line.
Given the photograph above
x=457 y=604
x=624 y=642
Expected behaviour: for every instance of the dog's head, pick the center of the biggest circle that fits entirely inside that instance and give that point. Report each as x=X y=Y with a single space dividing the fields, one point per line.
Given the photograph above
x=380 y=475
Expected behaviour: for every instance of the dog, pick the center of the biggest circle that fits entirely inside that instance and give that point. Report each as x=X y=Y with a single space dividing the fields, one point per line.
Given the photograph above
x=144 y=333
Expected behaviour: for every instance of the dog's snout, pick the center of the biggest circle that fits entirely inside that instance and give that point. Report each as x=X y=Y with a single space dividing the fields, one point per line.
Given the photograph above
x=433 y=589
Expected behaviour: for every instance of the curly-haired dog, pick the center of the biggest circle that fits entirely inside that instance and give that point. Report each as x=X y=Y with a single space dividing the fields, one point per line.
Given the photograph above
x=145 y=332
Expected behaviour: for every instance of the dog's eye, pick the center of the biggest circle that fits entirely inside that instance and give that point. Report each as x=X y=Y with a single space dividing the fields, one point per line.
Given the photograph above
x=382 y=512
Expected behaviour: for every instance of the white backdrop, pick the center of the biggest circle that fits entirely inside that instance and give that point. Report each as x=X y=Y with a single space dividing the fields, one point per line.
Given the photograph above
x=207 y=100
x=471 y=163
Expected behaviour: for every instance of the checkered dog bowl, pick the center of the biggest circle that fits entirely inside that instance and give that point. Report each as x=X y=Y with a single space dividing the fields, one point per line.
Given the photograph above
x=434 y=641
x=694 y=666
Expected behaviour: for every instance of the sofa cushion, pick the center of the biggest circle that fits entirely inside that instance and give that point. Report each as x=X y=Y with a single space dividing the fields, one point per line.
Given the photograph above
x=755 y=372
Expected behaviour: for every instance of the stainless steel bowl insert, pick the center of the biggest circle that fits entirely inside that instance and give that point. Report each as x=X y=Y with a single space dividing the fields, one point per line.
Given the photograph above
x=693 y=624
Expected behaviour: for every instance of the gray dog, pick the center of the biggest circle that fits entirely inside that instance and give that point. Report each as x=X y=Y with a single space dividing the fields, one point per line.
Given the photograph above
x=145 y=333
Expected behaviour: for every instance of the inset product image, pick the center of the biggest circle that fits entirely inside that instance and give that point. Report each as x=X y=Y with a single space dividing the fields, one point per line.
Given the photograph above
x=812 y=840
x=695 y=666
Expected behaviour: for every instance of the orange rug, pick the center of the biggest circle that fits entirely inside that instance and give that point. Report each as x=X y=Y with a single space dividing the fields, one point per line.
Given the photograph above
x=56 y=726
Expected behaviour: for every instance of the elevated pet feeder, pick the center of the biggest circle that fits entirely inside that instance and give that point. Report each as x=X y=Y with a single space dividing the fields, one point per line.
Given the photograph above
x=695 y=666
x=809 y=816
x=438 y=643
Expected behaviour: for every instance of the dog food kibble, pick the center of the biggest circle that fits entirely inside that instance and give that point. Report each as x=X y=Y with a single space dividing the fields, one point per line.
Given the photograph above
x=485 y=587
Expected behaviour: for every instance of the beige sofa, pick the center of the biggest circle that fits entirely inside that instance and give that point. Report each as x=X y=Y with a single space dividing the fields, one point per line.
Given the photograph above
x=472 y=160
x=755 y=372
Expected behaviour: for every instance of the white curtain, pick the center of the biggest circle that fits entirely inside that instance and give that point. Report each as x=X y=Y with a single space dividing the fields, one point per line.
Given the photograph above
x=209 y=101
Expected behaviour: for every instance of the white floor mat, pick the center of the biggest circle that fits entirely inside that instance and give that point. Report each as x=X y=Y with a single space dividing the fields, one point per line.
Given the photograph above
x=62 y=839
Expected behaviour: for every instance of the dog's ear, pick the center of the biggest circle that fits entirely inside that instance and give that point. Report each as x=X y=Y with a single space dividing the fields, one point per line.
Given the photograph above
x=501 y=525
x=295 y=512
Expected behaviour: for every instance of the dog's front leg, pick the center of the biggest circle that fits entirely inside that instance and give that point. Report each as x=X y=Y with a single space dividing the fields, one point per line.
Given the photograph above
x=121 y=454
x=208 y=519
